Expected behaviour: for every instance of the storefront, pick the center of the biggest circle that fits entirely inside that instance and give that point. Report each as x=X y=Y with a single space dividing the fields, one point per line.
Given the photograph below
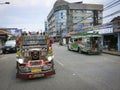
x=119 y=41
x=110 y=42
x=116 y=30
x=109 y=38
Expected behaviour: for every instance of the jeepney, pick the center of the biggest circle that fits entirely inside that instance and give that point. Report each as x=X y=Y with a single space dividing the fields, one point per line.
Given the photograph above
x=85 y=42
x=35 y=57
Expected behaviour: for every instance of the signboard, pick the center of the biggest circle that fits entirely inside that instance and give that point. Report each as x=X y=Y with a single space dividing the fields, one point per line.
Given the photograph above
x=34 y=40
x=105 y=30
x=15 y=31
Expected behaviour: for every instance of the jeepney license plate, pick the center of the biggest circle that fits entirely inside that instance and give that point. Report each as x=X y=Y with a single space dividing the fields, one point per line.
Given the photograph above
x=34 y=70
x=95 y=49
x=38 y=75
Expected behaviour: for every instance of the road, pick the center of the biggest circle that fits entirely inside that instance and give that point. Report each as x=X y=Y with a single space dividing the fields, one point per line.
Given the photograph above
x=74 y=71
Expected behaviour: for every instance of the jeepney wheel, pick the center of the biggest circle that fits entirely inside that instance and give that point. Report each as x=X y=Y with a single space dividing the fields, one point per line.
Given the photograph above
x=52 y=62
x=79 y=50
x=17 y=69
x=68 y=48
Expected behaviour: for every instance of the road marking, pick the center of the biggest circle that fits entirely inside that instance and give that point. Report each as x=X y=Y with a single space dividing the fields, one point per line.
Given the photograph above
x=60 y=63
x=73 y=74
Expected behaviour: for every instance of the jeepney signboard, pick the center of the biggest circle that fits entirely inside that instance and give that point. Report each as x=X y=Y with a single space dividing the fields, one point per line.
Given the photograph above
x=34 y=40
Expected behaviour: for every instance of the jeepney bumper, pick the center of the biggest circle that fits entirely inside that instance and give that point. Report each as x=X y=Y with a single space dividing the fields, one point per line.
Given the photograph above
x=34 y=75
x=94 y=52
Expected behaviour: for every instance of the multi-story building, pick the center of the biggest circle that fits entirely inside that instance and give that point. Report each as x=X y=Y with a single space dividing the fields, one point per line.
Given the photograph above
x=68 y=17
x=111 y=17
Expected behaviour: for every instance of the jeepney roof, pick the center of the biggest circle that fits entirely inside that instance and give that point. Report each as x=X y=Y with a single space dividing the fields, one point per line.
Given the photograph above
x=34 y=37
x=85 y=35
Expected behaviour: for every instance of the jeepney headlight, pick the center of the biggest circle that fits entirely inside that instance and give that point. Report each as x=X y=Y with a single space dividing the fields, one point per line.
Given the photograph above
x=50 y=58
x=20 y=61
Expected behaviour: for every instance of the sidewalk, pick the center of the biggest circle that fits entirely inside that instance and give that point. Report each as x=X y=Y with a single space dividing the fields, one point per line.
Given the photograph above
x=111 y=52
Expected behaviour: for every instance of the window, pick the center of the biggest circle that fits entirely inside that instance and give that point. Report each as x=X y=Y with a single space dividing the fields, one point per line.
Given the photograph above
x=77 y=11
x=90 y=18
x=61 y=13
x=89 y=12
x=99 y=18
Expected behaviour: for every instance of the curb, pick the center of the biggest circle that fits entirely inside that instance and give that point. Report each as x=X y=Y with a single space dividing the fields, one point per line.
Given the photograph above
x=106 y=52
x=112 y=53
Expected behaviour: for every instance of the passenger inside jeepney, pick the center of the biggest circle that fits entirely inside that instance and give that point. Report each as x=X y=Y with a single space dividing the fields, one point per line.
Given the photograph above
x=79 y=40
x=75 y=40
x=95 y=42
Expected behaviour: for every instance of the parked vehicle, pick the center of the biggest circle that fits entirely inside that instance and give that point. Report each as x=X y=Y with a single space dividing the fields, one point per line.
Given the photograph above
x=9 y=47
x=85 y=42
x=35 y=57
x=1 y=51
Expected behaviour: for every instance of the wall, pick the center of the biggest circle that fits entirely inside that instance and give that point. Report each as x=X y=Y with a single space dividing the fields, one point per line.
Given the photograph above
x=119 y=41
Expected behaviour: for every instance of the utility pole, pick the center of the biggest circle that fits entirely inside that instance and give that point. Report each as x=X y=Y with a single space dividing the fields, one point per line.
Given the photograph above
x=60 y=34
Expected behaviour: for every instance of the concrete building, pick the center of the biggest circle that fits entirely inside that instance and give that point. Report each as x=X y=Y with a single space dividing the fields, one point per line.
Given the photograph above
x=68 y=17
x=111 y=15
x=116 y=32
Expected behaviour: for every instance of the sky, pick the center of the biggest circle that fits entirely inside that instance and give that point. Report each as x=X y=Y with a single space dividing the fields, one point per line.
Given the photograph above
x=30 y=15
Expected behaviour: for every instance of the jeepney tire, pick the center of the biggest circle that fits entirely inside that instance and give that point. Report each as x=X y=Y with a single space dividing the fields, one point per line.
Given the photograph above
x=89 y=53
x=52 y=64
x=79 y=50
x=68 y=48
x=17 y=71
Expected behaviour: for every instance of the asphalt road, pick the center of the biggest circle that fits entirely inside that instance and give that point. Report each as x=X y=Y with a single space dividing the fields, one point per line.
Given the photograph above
x=74 y=71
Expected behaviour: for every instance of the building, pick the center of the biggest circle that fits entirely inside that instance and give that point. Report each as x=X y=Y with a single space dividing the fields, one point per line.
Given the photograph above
x=111 y=15
x=116 y=31
x=68 y=17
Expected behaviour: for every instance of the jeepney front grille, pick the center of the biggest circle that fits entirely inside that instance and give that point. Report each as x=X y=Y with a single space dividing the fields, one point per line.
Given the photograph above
x=35 y=55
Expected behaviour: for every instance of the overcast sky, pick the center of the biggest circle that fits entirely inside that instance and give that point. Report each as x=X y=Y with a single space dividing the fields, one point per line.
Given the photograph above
x=30 y=14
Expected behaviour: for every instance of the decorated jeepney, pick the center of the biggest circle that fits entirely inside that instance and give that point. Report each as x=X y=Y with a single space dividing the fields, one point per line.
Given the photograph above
x=88 y=42
x=34 y=57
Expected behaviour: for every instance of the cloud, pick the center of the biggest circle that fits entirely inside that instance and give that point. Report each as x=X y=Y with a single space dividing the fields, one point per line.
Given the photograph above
x=28 y=27
x=30 y=14
x=90 y=1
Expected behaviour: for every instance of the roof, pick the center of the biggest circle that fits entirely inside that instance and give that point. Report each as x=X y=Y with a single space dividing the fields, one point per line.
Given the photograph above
x=85 y=34
x=2 y=31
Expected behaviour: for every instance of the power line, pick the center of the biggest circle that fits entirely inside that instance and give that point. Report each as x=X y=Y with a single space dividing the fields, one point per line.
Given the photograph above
x=112 y=5
x=82 y=20
x=116 y=12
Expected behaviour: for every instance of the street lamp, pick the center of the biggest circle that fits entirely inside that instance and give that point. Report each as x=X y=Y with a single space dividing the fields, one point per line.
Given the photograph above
x=4 y=3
